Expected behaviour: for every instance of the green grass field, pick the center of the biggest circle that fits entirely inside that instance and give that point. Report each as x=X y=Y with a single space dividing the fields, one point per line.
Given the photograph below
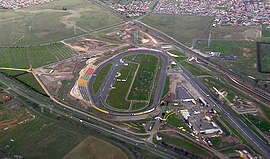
x=97 y=149
x=261 y=123
x=31 y=81
x=166 y=88
x=265 y=32
x=12 y=73
x=117 y=96
x=42 y=138
x=142 y=85
x=181 y=28
x=235 y=132
x=25 y=78
x=265 y=57
x=187 y=145
x=175 y=122
x=216 y=141
x=101 y=77
x=49 y=23
x=34 y=56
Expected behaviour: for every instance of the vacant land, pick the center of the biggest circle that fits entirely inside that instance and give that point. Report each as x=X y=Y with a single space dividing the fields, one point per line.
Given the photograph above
x=34 y=56
x=182 y=28
x=236 y=32
x=101 y=76
x=118 y=1
x=92 y=147
x=141 y=88
x=49 y=22
x=245 y=51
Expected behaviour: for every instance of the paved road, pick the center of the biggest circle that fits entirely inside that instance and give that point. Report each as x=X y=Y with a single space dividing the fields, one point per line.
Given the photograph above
x=237 y=124
x=258 y=144
x=86 y=119
x=103 y=91
x=259 y=93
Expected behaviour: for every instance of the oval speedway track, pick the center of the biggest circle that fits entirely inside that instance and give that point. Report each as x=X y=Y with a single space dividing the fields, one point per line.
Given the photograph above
x=103 y=90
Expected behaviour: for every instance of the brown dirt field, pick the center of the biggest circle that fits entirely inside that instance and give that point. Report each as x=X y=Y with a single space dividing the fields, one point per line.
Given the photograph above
x=93 y=148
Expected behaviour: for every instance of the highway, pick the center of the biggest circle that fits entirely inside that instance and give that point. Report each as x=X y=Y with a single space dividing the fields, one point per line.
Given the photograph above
x=84 y=118
x=261 y=94
x=103 y=91
x=118 y=133
x=237 y=124
x=258 y=144
x=127 y=137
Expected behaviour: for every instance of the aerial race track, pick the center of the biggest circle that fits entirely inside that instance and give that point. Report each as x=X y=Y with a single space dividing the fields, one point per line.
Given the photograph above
x=98 y=99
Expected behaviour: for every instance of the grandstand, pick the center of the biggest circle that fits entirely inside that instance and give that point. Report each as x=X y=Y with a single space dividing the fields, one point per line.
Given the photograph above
x=82 y=83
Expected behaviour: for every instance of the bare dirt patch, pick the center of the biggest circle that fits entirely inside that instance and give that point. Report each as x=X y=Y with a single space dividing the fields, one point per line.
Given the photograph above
x=247 y=53
x=92 y=46
x=243 y=106
x=12 y=115
x=236 y=32
x=53 y=75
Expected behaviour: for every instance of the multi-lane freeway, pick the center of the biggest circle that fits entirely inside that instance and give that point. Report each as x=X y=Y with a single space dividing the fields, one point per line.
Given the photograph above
x=89 y=120
x=255 y=141
x=258 y=144
x=114 y=131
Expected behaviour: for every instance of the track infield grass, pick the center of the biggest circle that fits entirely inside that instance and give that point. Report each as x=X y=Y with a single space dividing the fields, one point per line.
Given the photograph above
x=117 y=96
x=142 y=69
x=142 y=86
x=101 y=76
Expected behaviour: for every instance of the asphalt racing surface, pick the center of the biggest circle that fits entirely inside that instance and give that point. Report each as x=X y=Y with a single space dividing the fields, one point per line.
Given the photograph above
x=103 y=91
